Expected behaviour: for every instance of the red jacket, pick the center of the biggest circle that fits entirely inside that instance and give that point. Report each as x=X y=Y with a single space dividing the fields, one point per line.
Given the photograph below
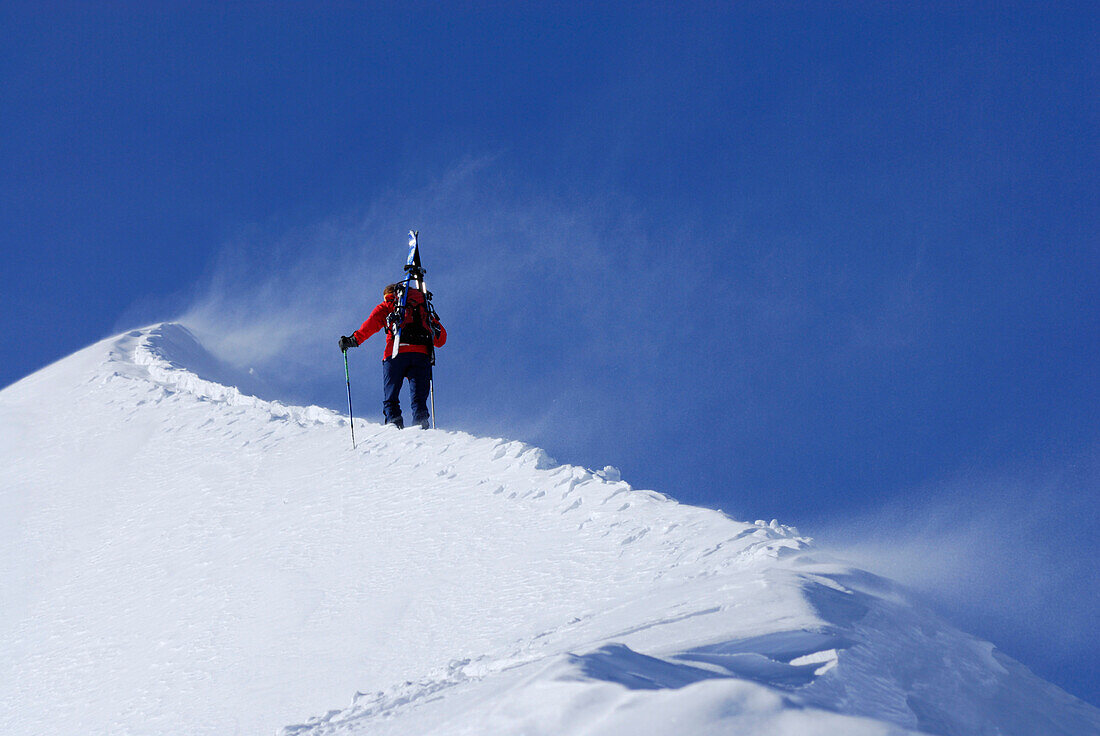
x=377 y=321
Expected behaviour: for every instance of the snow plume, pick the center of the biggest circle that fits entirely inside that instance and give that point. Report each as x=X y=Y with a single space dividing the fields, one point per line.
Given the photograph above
x=508 y=268
x=1001 y=557
x=585 y=312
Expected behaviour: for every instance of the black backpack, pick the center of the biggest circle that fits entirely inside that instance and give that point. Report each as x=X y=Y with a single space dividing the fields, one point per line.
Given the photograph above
x=416 y=326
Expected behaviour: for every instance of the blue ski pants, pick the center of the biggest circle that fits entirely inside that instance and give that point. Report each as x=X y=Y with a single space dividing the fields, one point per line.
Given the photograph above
x=417 y=368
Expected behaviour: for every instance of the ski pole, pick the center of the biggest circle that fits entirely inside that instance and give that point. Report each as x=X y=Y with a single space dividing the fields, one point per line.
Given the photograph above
x=351 y=414
x=431 y=393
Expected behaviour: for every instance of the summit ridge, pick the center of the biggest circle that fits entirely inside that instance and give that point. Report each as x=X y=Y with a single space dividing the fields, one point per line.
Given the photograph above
x=185 y=557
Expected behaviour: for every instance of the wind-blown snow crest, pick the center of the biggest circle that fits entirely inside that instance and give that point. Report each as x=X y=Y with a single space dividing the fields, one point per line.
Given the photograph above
x=173 y=357
x=180 y=556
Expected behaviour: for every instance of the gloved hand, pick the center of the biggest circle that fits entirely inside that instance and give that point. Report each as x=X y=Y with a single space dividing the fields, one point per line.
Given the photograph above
x=347 y=342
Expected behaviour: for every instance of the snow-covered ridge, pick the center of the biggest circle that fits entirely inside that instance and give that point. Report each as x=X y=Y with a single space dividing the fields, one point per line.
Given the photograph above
x=174 y=358
x=179 y=556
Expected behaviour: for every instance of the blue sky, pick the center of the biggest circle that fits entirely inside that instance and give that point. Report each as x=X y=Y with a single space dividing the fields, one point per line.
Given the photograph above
x=835 y=264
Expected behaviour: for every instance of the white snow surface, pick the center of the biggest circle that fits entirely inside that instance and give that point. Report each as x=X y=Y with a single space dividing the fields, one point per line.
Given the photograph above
x=179 y=557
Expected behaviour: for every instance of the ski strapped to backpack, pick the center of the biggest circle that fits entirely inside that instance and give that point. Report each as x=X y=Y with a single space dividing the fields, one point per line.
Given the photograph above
x=413 y=319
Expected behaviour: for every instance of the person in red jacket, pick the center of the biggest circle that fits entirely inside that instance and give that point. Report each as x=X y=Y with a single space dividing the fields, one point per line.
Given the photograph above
x=421 y=333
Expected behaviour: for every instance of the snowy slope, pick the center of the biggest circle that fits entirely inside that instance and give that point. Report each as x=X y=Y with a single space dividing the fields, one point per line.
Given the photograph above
x=181 y=558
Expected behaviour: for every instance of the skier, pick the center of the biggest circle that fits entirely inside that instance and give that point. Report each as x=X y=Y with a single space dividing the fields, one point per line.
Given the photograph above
x=421 y=332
